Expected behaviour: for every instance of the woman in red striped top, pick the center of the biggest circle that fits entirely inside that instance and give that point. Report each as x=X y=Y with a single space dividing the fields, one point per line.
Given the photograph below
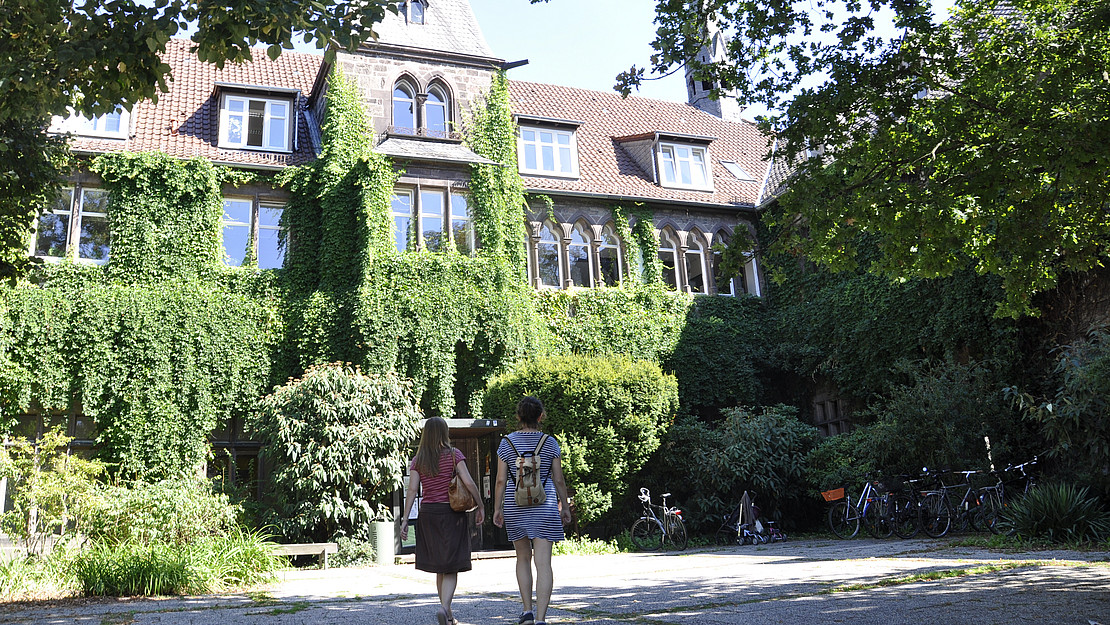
x=442 y=536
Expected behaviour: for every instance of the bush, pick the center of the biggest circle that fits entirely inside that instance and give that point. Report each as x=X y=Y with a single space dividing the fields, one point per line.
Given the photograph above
x=1075 y=419
x=708 y=467
x=352 y=552
x=176 y=511
x=1059 y=513
x=607 y=413
x=338 y=442
x=54 y=491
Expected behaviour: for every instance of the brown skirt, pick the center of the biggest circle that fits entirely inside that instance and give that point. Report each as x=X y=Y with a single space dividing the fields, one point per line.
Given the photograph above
x=442 y=539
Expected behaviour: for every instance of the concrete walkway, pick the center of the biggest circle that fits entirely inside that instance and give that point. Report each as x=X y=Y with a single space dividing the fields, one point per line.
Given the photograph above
x=815 y=581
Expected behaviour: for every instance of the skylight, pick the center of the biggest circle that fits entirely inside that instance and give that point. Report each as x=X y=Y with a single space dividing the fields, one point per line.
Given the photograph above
x=736 y=170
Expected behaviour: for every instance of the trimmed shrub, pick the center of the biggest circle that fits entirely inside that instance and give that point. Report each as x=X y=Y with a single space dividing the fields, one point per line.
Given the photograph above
x=1059 y=513
x=708 y=467
x=609 y=415
x=338 y=440
x=352 y=552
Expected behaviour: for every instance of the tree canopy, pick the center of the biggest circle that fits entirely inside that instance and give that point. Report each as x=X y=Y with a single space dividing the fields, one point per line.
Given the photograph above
x=981 y=141
x=88 y=57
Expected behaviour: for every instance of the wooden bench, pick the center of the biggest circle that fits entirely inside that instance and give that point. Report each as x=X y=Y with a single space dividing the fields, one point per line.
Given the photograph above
x=309 y=549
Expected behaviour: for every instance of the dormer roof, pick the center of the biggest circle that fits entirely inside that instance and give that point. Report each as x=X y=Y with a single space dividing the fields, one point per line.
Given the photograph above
x=614 y=137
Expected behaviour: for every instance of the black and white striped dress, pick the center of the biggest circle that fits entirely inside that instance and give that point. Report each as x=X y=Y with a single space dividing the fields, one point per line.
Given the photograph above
x=541 y=521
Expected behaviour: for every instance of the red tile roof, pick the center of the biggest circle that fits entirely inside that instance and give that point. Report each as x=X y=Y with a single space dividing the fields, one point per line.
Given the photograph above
x=607 y=169
x=185 y=122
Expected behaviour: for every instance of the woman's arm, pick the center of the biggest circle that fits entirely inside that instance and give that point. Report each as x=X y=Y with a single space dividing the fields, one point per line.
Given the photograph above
x=468 y=482
x=560 y=489
x=499 y=493
x=410 y=496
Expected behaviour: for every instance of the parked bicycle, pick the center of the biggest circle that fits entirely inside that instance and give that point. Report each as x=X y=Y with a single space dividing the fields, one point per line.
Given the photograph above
x=871 y=510
x=659 y=526
x=994 y=499
x=938 y=512
x=744 y=528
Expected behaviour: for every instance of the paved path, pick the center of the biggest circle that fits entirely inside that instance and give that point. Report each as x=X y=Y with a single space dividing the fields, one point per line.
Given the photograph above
x=782 y=583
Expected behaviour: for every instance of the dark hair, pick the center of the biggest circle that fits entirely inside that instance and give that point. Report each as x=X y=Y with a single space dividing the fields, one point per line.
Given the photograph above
x=528 y=410
x=434 y=441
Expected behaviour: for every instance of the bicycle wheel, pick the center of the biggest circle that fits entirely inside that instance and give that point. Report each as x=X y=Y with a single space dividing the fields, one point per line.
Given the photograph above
x=936 y=515
x=647 y=535
x=905 y=518
x=876 y=519
x=988 y=513
x=726 y=536
x=844 y=519
x=678 y=537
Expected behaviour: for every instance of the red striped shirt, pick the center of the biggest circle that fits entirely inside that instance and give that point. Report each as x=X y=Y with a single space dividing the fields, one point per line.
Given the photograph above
x=434 y=487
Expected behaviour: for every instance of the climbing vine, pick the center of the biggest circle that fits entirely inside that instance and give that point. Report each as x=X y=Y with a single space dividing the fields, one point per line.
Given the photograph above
x=637 y=227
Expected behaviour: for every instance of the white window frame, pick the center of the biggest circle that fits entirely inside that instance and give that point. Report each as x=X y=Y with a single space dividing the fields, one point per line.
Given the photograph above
x=441 y=93
x=671 y=237
x=410 y=91
x=537 y=144
x=417 y=213
x=76 y=212
x=410 y=193
x=669 y=152
x=253 y=225
x=268 y=117
x=93 y=127
x=696 y=247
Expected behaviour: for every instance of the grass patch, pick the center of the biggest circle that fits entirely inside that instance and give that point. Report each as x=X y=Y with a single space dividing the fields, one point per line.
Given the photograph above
x=583 y=546
x=297 y=606
x=930 y=576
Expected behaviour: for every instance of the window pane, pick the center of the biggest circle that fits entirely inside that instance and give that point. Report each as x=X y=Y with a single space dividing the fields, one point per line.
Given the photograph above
x=417 y=12
x=403 y=111
x=684 y=169
x=402 y=212
x=694 y=270
x=549 y=264
x=51 y=237
x=277 y=109
x=564 y=160
x=579 y=265
x=277 y=133
x=667 y=258
x=548 y=158
x=610 y=265
x=236 y=105
x=94 y=201
x=111 y=122
x=95 y=238
x=530 y=156
x=238 y=211
x=255 y=123
x=435 y=112
x=235 y=243
x=270 y=255
x=235 y=129
x=667 y=165
x=269 y=216
x=529 y=135
x=431 y=220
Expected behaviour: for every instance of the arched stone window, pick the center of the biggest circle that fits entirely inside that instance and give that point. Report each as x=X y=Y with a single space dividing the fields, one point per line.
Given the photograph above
x=437 y=111
x=668 y=256
x=404 y=105
x=696 y=274
x=726 y=285
x=578 y=256
x=548 y=267
x=609 y=257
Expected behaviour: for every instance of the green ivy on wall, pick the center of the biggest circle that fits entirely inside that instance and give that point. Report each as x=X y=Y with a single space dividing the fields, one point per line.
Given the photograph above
x=165 y=216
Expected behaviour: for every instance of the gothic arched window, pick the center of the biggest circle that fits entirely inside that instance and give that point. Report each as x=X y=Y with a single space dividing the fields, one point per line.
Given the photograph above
x=436 y=111
x=578 y=255
x=668 y=256
x=609 y=257
x=549 y=268
x=695 y=263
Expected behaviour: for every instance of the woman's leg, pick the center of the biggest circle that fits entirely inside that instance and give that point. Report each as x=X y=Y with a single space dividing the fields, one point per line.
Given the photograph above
x=545 y=579
x=524 y=571
x=445 y=586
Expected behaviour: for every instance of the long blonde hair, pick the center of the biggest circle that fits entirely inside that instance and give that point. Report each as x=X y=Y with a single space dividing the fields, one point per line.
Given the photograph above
x=435 y=440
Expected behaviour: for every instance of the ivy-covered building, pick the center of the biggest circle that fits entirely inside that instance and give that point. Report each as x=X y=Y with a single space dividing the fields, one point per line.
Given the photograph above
x=439 y=250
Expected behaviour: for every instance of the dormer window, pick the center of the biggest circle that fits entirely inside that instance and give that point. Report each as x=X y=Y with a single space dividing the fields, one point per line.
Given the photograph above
x=548 y=151
x=112 y=125
x=249 y=122
x=683 y=166
x=413 y=11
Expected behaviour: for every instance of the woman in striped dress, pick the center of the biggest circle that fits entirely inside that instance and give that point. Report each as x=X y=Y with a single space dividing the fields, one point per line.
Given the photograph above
x=533 y=529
